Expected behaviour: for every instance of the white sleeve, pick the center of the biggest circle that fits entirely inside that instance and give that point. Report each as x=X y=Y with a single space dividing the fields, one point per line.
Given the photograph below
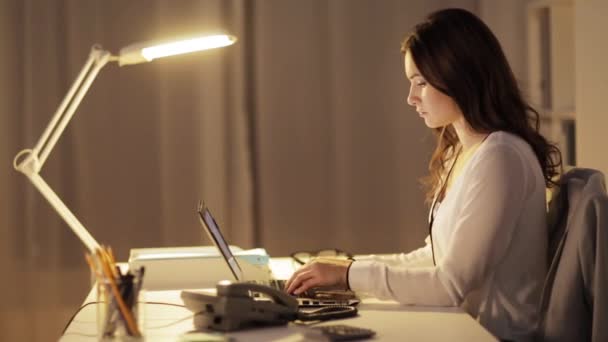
x=420 y=257
x=494 y=193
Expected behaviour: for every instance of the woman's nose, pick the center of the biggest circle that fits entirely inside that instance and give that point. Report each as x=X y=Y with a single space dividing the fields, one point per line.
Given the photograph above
x=412 y=100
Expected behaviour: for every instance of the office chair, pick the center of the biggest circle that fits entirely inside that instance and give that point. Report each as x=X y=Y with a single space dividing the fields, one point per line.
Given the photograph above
x=574 y=303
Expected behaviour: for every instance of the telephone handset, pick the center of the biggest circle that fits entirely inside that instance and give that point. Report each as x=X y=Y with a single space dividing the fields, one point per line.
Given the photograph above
x=242 y=305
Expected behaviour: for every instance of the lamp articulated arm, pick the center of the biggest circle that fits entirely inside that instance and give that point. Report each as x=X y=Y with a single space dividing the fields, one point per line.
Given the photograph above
x=30 y=161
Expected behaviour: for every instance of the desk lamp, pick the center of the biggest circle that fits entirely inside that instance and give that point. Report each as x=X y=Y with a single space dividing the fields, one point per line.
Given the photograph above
x=30 y=161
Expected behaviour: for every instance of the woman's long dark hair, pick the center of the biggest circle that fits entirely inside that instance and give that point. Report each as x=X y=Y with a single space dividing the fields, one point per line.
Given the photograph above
x=458 y=54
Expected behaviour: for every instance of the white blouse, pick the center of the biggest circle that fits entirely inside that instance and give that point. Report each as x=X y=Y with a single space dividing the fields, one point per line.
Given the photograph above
x=490 y=243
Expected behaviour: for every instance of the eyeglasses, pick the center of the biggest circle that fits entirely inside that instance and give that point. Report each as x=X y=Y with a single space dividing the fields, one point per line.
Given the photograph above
x=303 y=257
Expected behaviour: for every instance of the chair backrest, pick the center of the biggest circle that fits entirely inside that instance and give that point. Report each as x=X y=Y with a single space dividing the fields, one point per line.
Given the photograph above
x=573 y=299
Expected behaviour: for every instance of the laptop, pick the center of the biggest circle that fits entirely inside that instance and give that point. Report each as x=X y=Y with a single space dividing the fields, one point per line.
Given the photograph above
x=314 y=297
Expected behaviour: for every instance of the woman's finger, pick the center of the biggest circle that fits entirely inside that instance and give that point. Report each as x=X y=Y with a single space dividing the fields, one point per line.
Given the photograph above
x=297 y=281
x=294 y=275
x=307 y=284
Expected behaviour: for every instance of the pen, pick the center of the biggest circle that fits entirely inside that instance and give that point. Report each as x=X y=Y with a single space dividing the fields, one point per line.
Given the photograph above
x=127 y=289
x=125 y=286
x=137 y=283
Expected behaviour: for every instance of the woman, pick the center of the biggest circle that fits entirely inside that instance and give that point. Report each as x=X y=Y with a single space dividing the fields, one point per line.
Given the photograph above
x=487 y=245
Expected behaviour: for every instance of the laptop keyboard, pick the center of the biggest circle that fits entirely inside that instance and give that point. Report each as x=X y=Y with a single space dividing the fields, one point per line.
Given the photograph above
x=279 y=284
x=312 y=297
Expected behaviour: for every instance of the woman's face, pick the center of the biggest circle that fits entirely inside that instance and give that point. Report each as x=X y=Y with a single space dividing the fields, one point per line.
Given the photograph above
x=436 y=108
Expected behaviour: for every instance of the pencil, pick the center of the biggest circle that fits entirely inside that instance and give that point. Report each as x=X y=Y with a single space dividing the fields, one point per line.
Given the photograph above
x=109 y=260
x=94 y=269
x=111 y=255
x=126 y=312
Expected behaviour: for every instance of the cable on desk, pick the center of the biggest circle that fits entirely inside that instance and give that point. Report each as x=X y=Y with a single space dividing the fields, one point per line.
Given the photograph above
x=191 y=316
x=98 y=302
x=76 y=314
x=161 y=303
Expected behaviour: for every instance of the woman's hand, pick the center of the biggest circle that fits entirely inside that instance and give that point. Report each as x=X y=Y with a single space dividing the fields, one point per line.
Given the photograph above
x=319 y=272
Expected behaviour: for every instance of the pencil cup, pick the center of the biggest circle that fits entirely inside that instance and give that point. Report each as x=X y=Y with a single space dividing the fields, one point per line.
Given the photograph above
x=119 y=319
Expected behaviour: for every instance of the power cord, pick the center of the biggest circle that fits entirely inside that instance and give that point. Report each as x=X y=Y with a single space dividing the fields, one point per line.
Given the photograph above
x=76 y=314
x=99 y=302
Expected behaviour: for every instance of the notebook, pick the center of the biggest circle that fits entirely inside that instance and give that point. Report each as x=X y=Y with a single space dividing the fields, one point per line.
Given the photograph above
x=313 y=297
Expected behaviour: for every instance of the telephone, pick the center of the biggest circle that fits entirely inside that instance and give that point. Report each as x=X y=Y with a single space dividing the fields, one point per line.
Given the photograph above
x=244 y=305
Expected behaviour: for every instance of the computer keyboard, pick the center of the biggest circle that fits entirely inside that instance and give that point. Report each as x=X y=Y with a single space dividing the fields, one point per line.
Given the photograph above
x=314 y=297
x=279 y=284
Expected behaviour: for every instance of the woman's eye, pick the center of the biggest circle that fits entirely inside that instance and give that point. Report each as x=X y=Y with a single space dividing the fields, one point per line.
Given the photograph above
x=421 y=83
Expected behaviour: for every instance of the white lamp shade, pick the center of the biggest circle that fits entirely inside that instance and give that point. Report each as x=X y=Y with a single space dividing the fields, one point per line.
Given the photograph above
x=145 y=52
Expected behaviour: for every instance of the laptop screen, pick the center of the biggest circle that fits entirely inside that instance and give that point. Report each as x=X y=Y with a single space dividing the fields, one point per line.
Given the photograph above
x=213 y=230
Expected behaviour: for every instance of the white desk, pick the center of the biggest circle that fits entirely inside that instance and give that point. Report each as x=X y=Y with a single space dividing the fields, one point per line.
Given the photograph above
x=391 y=321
